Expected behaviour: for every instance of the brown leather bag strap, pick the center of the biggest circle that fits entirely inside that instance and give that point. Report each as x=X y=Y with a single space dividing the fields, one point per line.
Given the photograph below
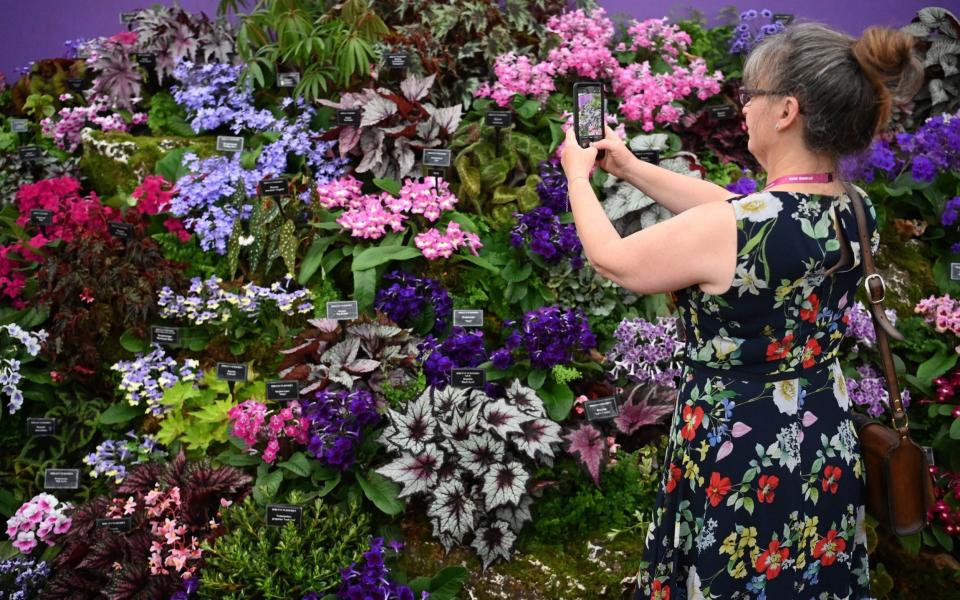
x=876 y=290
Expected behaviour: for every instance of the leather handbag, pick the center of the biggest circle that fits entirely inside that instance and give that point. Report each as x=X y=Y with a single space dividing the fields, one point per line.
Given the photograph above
x=899 y=488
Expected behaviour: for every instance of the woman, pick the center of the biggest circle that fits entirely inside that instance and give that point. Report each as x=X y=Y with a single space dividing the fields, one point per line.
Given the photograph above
x=762 y=490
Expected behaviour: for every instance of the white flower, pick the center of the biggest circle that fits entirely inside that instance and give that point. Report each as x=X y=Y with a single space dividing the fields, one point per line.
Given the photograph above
x=693 y=585
x=860 y=537
x=840 y=387
x=748 y=281
x=757 y=207
x=723 y=346
x=786 y=393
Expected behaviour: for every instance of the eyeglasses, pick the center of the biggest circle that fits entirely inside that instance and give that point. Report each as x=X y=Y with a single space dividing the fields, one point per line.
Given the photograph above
x=746 y=94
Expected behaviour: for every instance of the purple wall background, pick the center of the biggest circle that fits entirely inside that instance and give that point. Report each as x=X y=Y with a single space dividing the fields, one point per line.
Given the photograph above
x=38 y=28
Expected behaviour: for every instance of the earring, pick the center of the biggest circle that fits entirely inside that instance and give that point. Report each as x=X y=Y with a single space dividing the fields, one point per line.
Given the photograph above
x=777 y=126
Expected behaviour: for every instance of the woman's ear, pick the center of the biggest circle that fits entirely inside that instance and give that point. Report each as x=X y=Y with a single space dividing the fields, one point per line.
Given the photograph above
x=789 y=111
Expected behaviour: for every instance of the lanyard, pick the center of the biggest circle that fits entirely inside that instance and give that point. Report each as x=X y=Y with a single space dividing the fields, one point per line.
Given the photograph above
x=801 y=178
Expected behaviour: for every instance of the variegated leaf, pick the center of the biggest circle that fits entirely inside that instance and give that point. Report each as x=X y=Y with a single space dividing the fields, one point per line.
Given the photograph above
x=504 y=484
x=494 y=541
x=640 y=410
x=414 y=88
x=587 y=444
x=526 y=399
x=461 y=426
x=448 y=401
x=447 y=118
x=343 y=353
x=415 y=472
x=376 y=110
x=412 y=430
x=480 y=452
x=452 y=509
x=517 y=516
x=538 y=438
x=504 y=418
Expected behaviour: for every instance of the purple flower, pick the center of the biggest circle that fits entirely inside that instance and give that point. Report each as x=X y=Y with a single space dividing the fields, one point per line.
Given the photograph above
x=743 y=186
x=546 y=235
x=923 y=169
x=550 y=336
x=410 y=297
x=460 y=350
x=647 y=352
x=870 y=391
x=370 y=579
x=337 y=420
x=949 y=215
x=552 y=188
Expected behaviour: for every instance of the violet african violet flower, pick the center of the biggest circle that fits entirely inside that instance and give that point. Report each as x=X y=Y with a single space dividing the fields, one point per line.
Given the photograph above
x=409 y=297
x=550 y=336
x=22 y=578
x=337 y=420
x=647 y=353
x=546 y=236
x=870 y=391
x=461 y=349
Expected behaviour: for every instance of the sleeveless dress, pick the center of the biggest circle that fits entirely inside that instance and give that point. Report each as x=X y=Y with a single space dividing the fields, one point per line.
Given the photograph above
x=762 y=494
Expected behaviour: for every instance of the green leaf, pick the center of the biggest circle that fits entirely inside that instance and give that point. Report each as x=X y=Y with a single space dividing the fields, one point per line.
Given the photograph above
x=131 y=343
x=955 y=429
x=945 y=540
x=120 y=413
x=267 y=486
x=288 y=245
x=382 y=492
x=528 y=109
x=469 y=177
x=233 y=248
x=171 y=165
x=446 y=584
x=376 y=256
x=313 y=257
x=536 y=378
x=557 y=398
x=391 y=186
x=516 y=272
x=479 y=261
x=298 y=464
x=936 y=365
x=364 y=288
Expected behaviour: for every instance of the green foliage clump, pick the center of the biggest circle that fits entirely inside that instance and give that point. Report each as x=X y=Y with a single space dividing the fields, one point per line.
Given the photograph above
x=167 y=117
x=399 y=396
x=253 y=560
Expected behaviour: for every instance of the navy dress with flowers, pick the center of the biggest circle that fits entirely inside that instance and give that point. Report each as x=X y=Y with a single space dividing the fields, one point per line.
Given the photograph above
x=762 y=494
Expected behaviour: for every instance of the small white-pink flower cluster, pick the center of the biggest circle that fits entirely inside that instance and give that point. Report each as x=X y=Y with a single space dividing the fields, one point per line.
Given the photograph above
x=37 y=521
x=943 y=313
x=65 y=131
x=369 y=215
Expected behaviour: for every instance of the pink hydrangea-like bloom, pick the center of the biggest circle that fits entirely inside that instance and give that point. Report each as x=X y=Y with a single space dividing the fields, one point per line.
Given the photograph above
x=429 y=198
x=942 y=312
x=518 y=75
x=339 y=193
x=436 y=245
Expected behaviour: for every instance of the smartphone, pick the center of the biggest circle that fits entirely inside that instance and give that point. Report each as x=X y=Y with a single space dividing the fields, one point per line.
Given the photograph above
x=588 y=113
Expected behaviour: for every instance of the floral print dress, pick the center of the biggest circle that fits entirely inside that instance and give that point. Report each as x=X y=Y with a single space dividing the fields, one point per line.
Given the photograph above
x=762 y=494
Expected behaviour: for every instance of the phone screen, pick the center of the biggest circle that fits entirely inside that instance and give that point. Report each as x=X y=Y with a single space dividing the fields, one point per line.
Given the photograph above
x=590 y=109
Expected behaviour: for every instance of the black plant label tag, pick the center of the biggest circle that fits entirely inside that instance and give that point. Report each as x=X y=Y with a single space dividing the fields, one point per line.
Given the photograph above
x=343 y=311
x=721 y=112
x=118 y=525
x=274 y=187
x=650 y=156
x=30 y=153
x=782 y=18
x=279 y=515
x=61 y=479
x=955 y=271
x=288 y=80
x=348 y=117
x=601 y=409
x=468 y=378
x=76 y=83
x=165 y=336
x=41 y=216
x=124 y=231
x=39 y=427
x=498 y=118
x=147 y=60
x=283 y=390
x=229 y=143
x=468 y=318
x=128 y=17
x=19 y=125
x=437 y=158
x=232 y=371
x=397 y=60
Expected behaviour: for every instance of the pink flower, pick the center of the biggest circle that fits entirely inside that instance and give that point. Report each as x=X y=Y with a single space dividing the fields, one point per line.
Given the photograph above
x=26 y=541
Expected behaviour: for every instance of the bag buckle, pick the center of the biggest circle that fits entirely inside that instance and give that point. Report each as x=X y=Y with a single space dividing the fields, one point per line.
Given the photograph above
x=883 y=286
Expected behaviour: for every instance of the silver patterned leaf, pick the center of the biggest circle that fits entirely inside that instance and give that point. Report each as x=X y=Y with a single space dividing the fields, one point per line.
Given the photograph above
x=538 y=438
x=504 y=484
x=517 y=516
x=410 y=431
x=446 y=540
x=414 y=88
x=449 y=401
x=526 y=399
x=376 y=110
x=452 y=510
x=494 y=541
x=461 y=426
x=503 y=418
x=479 y=453
x=415 y=472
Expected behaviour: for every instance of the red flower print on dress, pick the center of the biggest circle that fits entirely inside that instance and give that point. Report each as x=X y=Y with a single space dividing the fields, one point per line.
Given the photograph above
x=660 y=591
x=778 y=350
x=828 y=547
x=810 y=351
x=767 y=484
x=692 y=417
x=771 y=558
x=830 y=476
x=718 y=488
x=674 y=478
x=810 y=314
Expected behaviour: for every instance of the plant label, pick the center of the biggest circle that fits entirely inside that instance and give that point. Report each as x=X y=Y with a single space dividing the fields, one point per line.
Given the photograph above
x=119 y=525
x=279 y=515
x=147 y=60
x=30 y=153
x=437 y=158
x=41 y=217
x=229 y=143
x=124 y=231
x=601 y=409
x=61 y=479
x=274 y=187
x=283 y=390
x=955 y=271
x=397 y=60
x=348 y=117
x=128 y=17
x=650 y=156
x=76 y=84
x=498 y=118
x=468 y=378
x=40 y=427
x=232 y=371
x=468 y=318
x=19 y=125
x=782 y=18
x=165 y=336
x=928 y=452
x=721 y=112
x=288 y=80
x=343 y=311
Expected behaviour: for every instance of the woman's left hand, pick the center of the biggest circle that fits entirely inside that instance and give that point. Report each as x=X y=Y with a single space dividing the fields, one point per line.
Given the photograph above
x=577 y=161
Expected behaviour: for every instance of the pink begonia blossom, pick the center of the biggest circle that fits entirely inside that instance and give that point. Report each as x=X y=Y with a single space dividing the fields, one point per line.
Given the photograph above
x=38 y=520
x=436 y=245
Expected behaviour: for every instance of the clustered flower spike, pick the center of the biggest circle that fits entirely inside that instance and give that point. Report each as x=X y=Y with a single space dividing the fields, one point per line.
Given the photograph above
x=207 y=302
x=648 y=353
x=10 y=362
x=148 y=375
x=38 y=520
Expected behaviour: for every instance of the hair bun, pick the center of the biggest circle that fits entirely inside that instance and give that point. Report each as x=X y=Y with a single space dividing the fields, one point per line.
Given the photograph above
x=887 y=59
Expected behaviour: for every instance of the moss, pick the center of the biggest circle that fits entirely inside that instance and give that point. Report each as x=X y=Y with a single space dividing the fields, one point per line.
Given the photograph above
x=116 y=161
x=907 y=268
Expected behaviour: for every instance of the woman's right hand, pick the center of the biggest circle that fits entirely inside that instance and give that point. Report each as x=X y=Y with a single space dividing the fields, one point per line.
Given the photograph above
x=618 y=157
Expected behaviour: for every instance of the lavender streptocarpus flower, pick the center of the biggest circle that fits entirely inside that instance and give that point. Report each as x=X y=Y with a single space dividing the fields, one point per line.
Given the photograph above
x=148 y=375
x=22 y=577
x=750 y=31
x=647 y=352
x=409 y=296
x=18 y=347
x=870 y=391
x=860 y=324
x=206 y=301
x=337 y=420
x=112 y=457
